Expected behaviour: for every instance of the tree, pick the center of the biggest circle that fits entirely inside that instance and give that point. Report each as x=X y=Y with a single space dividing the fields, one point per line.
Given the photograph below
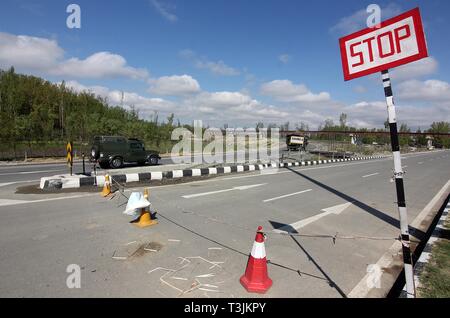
x=421 y=139
x=443 y=128
x=328 y=124
x=404 y=139
x=302 y=127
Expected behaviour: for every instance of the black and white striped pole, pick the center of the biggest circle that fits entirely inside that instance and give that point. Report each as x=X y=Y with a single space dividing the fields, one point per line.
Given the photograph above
x=398 y=173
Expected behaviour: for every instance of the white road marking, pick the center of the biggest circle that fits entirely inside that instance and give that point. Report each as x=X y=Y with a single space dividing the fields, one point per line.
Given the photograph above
x=240 y=188
x=370 y=175
x=15 y=182
x=337 y=209
x=29 y=172
x=419 y=163
x=6 y=202
x=287 y=195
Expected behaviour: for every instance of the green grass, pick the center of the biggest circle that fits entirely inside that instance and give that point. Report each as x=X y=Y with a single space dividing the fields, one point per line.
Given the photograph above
x=435 y=279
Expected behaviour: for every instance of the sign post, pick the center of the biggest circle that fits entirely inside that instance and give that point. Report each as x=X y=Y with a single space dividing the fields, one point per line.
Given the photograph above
x=398 y=173
x=69 y=157
x=394 y=42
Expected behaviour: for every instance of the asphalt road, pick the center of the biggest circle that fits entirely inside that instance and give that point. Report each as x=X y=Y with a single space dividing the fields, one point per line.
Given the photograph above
x=206 y=230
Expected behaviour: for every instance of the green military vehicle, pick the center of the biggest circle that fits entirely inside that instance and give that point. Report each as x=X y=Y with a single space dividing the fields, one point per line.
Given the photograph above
x=114 y=151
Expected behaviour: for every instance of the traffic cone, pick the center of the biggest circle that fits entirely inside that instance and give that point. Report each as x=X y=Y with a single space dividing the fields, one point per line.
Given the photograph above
x=256 y=278
x=145 y=219
x=106 y=187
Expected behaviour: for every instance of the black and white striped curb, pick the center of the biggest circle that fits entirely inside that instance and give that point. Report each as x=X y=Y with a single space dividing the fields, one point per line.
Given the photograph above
x=61 y=182
x=426 y=253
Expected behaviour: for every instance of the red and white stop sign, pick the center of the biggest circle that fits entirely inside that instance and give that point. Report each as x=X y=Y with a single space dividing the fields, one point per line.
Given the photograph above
x=397 y=41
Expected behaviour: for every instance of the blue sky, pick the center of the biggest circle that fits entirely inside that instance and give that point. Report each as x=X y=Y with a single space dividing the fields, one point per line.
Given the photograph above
x=226 y=61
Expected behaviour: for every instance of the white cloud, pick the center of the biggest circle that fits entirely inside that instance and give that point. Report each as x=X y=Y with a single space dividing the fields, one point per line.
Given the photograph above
x=429 y=90
x=218 y=68
x=416 y=69
x=360 y=89
x=44 y=56
x=286 y=91
x=357 y=20
x=99 y=65
x=218 y=107
x=284 y=58
x=145 y=105
x=164 y=10
x=234 y=106
x=26 y=52
x=373 y=114
x=215 y=67
x=240 y=109
x=174 y=85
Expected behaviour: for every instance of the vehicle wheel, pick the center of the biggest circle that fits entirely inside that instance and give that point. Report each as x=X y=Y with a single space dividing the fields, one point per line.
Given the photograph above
x=116 y=163
x=141 y=163
x=153 y=160
x=104 y=165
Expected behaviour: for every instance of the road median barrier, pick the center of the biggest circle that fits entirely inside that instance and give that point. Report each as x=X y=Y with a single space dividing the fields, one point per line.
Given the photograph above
x=77 y=181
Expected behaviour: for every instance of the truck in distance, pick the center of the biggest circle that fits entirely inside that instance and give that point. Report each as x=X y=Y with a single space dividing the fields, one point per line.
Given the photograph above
x=296 y=142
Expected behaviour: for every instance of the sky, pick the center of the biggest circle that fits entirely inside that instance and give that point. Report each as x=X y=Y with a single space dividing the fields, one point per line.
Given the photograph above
x=227 y=61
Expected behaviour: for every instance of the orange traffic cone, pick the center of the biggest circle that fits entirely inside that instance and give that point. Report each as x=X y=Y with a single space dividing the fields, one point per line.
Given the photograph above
x=256 y=278
x=106 y=187
x=145 y=219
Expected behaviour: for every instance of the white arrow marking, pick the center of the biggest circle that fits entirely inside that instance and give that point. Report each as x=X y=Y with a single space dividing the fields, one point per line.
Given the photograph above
x=337 y=209
x=240 y=188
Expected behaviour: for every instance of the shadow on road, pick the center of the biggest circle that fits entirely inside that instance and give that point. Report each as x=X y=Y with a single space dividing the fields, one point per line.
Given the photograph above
x=289 y=229
x=330 y=281
x=381 y=215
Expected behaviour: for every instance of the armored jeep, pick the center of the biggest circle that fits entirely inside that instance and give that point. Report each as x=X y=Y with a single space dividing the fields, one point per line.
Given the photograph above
x=114 y=151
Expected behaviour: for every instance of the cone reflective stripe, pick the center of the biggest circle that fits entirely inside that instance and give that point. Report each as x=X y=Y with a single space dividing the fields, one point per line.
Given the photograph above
x=256 y=278
x=106 y=187
x=145 y=219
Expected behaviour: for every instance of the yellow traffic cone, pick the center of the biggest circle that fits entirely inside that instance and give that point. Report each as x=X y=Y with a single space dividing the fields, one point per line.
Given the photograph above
x=106 y=187
x=145 y=219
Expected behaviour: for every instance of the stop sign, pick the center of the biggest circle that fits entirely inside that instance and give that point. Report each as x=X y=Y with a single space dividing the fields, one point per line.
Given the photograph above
x=397 y=41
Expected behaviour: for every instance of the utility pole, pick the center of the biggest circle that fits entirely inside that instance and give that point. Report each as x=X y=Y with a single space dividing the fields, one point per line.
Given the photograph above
x=398 y=174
